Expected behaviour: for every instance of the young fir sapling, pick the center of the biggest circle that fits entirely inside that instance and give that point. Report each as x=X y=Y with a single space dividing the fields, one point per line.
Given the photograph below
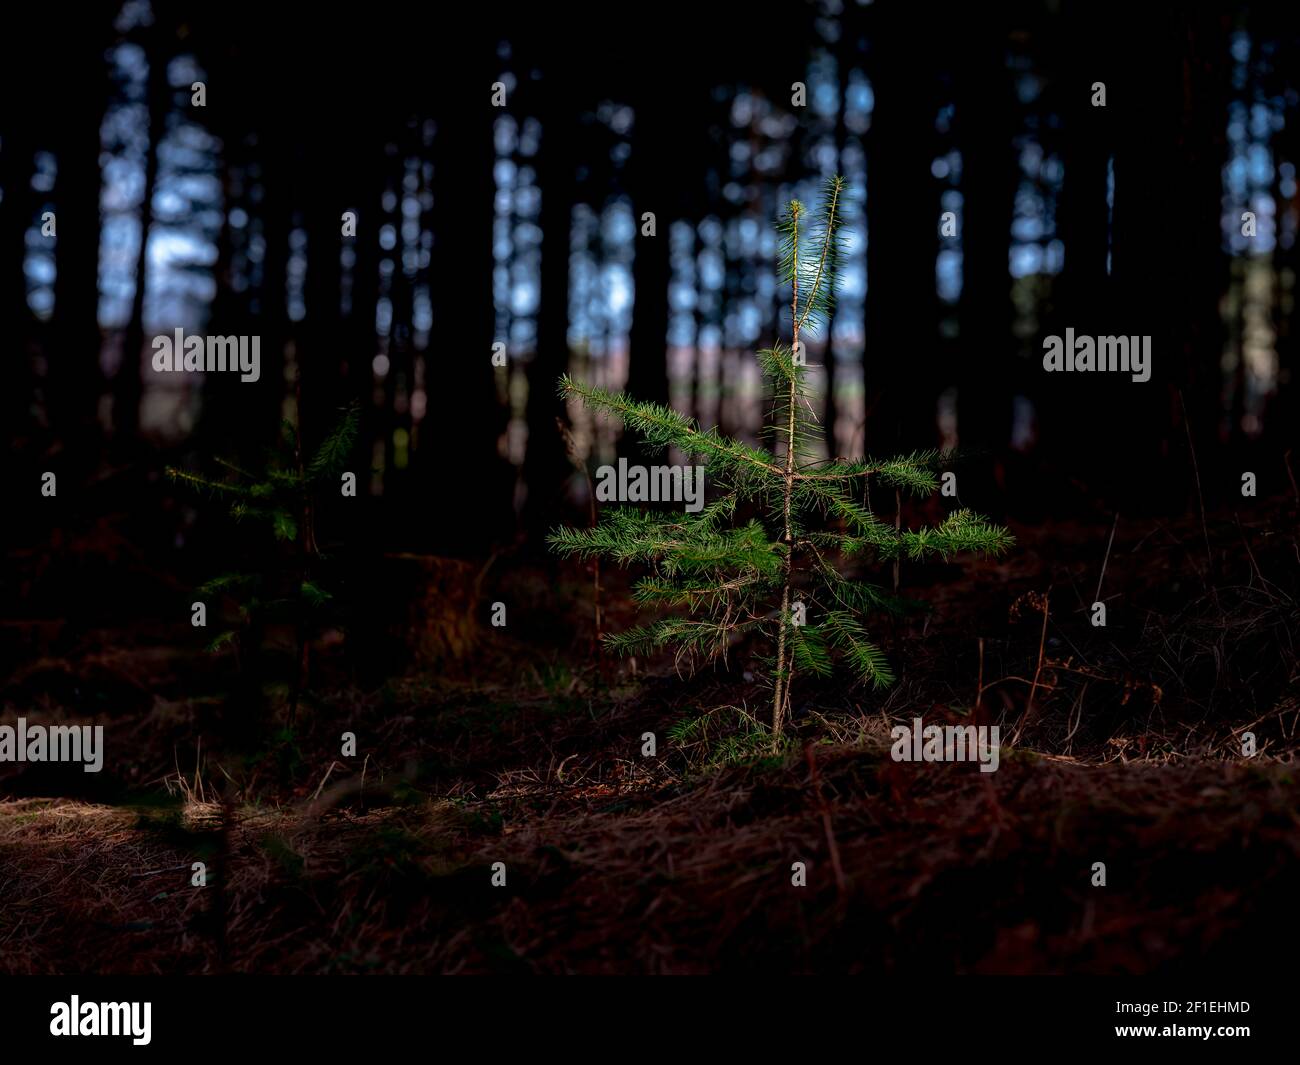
x=778 y=575
x=282 y=498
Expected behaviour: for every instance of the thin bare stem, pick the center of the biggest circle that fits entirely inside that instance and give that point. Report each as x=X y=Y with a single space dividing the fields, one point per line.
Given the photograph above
x=782 y=681
x=1104 y=561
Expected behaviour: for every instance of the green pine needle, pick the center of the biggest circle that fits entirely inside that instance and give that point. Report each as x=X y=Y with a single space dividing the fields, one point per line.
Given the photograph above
x=772 y=532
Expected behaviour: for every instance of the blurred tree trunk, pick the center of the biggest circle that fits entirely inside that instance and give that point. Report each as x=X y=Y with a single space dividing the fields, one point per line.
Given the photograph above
x=318 y=356
x=460 y=461
x=1166 y=244
x=16 y=212
x=223 y=394
x=1146 y=99
x=1080 y=47
x=546 y=464
x=269 y=300
x=1197 y=266
x=652 y=191
x=903 y=216
x=128 y=385
x=986 y=117
x=76 y=378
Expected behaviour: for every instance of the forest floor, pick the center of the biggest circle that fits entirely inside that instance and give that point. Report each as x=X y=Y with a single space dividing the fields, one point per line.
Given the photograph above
x=1121 y=745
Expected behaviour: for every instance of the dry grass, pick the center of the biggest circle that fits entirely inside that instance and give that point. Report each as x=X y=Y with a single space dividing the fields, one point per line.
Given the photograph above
x=944 y=870
x=1130 y=755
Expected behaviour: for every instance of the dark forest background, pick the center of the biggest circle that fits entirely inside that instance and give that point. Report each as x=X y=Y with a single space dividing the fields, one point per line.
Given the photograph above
x=521 y=224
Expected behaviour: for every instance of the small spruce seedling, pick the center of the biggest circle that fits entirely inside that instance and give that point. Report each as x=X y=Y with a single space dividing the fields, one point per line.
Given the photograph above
x=780 y=574
x=281 y=497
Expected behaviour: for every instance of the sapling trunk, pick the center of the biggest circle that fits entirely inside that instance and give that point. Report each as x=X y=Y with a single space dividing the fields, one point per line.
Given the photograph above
x=303 y=547
x=783 y=679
